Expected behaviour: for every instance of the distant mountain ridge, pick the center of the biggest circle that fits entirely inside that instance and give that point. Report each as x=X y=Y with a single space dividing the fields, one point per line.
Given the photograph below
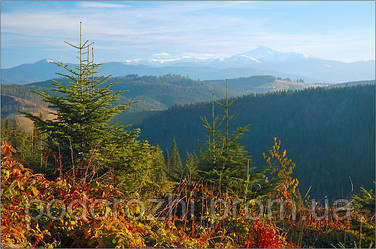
x=263 y=84
x=259 y=61
x=151 y=93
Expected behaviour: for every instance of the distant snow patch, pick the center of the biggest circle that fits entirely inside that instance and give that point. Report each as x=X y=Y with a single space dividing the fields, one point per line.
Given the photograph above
x=251 y=58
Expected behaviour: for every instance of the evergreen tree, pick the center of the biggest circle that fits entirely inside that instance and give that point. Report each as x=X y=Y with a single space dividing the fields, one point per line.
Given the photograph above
x=225 y=163
x=168 y=162
x=191 y=167
x=363 y=218
x=84 y=108
x=14 y=134
x=5 y=125
x=175 y=165
x=159 y=165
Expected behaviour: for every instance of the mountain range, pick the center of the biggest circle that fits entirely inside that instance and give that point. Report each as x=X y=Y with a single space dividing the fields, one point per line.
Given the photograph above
x=151 y=92
x=259 y=61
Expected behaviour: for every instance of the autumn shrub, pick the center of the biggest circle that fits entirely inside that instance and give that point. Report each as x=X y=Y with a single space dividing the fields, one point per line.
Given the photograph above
x=25 y=195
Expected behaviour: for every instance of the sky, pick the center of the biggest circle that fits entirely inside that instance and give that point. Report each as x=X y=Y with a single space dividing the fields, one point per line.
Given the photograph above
x=36 y=30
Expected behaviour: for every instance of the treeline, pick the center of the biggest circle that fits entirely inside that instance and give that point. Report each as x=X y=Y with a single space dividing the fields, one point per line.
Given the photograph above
x=329 y=133
x=15 y=98
x=263 y=84
x=158 y=92
x=151 y=93
x=84 y=156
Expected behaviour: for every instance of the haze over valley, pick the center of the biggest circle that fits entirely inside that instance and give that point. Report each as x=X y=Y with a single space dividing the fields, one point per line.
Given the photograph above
x=248 y=124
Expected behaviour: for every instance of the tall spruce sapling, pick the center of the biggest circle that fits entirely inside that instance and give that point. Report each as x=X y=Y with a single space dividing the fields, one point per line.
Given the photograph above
x=225 y=162
x=81 y=132
x=175 y=169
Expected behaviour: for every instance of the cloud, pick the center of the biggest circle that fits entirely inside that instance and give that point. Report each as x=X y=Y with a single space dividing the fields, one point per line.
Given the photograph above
x=161 y=54
x=100 y=5
x=196 y=29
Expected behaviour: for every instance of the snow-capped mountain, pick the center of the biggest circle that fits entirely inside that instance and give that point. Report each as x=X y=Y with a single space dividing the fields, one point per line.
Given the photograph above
x=259 y=61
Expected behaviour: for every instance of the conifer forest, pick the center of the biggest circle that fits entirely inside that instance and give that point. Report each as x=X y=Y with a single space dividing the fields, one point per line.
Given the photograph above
x=189 y=153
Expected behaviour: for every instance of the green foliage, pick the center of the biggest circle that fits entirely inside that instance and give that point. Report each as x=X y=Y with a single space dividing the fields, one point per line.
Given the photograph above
x=81 y=134
x=82 y=229
x=364 y=218
x=15 y=98
x=132 y=163
x=327 y=132
x=152 y=93
x=159 y=165
x=191 y=167
x=175 y=166
x=364 y=202
x=226 y=163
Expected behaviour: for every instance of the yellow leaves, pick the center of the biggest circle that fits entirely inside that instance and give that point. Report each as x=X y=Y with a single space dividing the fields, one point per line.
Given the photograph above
x=34 y=190
x=6 y=148
x=268 y=161
x=19 y=184
x=4 y=174
x=282 y=168
x=283 y=153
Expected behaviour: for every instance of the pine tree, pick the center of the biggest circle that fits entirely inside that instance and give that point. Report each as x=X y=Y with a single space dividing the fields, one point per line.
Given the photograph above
x=159 y=165
x=191 y=167
x=168 y=161
x=225 y=162
x=14 y=137
x=81 y=132
x=363 y=218
x=5 y=125
x=175 y=165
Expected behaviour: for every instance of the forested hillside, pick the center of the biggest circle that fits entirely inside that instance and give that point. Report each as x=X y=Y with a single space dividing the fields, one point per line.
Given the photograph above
x=83 y=180
x=264 y=83
x=150 y=93
x=17 y=98
x=331 y=127
x=329 y=133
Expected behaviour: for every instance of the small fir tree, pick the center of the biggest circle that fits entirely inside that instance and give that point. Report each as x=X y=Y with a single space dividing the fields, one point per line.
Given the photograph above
x=175 y=167
x=191 y=167
x=225 y=162
x=81 y=133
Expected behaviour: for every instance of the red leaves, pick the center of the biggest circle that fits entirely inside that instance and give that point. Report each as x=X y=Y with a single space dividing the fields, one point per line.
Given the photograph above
x=6 y=149
x=136 y=230
x=262 y=236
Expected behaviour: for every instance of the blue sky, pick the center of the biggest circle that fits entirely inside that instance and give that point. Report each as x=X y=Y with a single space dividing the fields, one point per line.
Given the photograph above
x=338 y=30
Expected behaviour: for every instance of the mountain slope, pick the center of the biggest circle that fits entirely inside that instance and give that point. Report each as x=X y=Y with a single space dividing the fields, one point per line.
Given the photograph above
x=16 y=98
x=263 y=84
x=151 y=93
x=43 y=70
x=26 y=73
x=327 y=133
x=160 y=92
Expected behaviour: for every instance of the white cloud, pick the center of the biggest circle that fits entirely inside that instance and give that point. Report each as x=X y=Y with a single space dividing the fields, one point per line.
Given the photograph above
x=99 y=5
x=164 y=60
x=162 y=54
x=188 y=29
x=200 y=56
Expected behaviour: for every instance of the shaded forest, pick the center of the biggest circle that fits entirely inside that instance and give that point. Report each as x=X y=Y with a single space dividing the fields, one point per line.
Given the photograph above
x=329 y=133
x=80 y=179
